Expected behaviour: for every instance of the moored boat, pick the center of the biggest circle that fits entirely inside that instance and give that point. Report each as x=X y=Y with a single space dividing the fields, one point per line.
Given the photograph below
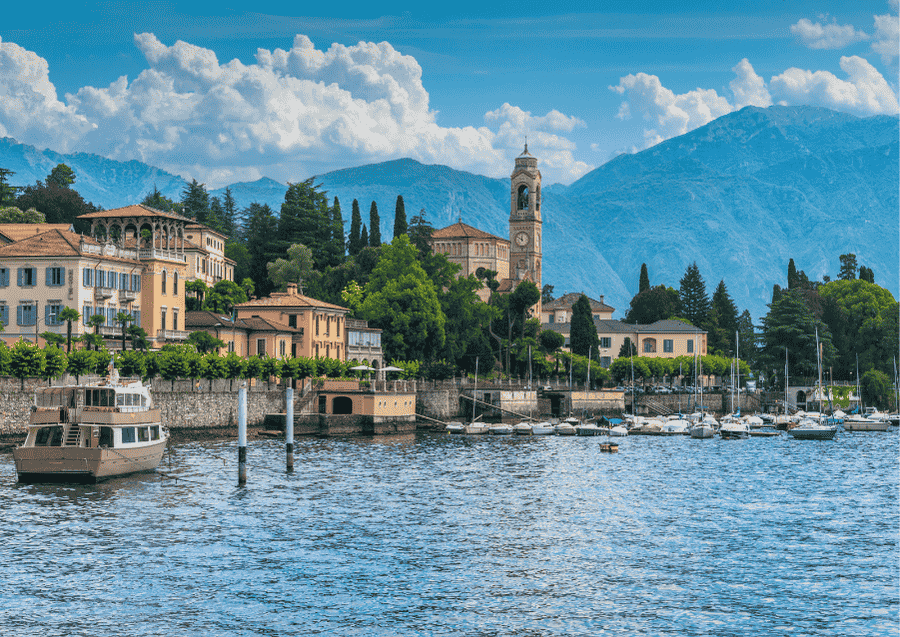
x=542 y=429
x=522 y=429
x=809 y=429
x=477 y=428
x=501 y=429
x=87 y=433
x=455 y=428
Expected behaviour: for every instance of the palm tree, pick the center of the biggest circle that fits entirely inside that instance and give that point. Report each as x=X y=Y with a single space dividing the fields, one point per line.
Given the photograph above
x=68 y=315
x=96 y=321
x=124 y=318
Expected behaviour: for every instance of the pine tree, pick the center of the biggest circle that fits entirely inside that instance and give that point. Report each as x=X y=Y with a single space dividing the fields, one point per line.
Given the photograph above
x=419 y=232
x=7 y=192
x=399 y=217
x=61 y=176
x=229 y=214
x=848 y=267
x=195 y=201
x=374 y=226
x=726 y=315
x=262 y=225
x=354 y=243
x=694 y=300
x=306 y=219
x=644 y=283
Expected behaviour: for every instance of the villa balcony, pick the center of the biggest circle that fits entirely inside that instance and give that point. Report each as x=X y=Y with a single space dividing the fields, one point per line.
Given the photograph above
x=104 y=293
x=126 y=296
x=171 y=335
x=164 y=255
x=111 y=331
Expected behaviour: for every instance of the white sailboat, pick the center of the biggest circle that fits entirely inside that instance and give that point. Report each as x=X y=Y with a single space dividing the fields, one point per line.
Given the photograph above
x=810 y=429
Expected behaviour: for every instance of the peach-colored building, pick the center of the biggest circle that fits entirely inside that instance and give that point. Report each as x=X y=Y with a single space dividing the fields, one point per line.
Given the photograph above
x=160 y=242
x=662 y=339
x=320 y=326
x=205 y=251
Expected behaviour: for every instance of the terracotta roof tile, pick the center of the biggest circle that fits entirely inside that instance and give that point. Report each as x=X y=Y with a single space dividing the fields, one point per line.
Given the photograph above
x=566 y=301
x=19 y=231
x=460 y=229
x=55 y=243
x=283 y=299
x=136 y=210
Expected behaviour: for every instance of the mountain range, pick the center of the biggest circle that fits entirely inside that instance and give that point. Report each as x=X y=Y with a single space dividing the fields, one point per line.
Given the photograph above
x=741 y=196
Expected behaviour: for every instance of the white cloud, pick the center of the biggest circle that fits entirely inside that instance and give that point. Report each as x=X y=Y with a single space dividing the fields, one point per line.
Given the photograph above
x=29 y=108
x=668 y=113
x=826 y=36
x=749 y=88
x=887 y=36
x=864 y=93
x=290 y=114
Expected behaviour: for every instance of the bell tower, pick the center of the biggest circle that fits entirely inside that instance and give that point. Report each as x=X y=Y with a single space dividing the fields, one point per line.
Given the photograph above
x=525 y=222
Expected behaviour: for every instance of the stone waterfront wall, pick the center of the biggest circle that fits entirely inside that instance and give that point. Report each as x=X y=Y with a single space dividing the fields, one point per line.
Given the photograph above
x=183 y=404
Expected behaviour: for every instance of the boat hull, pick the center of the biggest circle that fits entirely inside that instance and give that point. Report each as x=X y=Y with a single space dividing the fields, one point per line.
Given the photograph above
x=84 y=465
x=856 y=425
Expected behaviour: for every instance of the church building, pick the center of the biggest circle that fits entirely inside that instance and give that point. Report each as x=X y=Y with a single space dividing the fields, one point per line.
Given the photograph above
x=515 y=260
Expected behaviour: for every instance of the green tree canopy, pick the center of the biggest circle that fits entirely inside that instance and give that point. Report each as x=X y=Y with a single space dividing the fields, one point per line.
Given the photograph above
x=295 y=269
x=655 y=304
x=155 y=199
x=58 y=205
x=420 y=231
x=11 y=214
x=7 y=192
x=261 y=227
x=402 y=301
x=61 y=176
x=790 y=324
x=306 y=220
x=848 y=267
x=195 y=201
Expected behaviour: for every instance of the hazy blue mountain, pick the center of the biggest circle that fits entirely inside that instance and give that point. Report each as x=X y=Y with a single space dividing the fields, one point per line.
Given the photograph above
x=105 y=182
x=741 y=196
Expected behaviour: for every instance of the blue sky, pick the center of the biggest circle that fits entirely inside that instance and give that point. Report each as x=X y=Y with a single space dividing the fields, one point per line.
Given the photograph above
x=231 y=92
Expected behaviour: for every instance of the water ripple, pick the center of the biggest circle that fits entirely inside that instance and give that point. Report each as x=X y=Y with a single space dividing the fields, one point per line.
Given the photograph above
x=447 y=535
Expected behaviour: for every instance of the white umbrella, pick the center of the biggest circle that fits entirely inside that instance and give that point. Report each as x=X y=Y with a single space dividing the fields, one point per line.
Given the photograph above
x=391 y=368
x=362 y=368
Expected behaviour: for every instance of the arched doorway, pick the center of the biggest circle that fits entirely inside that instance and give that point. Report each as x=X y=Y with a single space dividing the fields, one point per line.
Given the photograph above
x=342 y=405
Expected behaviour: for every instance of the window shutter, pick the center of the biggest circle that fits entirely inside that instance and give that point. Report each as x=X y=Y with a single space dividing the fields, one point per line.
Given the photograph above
x=19 y=315
x=4 y=314
x=86 y=313
x=137 y=318
x=21 y=274
x=46 y=315
x=48 y=276
x=84 y=277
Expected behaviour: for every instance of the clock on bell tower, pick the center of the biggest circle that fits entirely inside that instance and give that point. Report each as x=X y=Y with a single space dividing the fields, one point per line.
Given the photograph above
x=525 y=221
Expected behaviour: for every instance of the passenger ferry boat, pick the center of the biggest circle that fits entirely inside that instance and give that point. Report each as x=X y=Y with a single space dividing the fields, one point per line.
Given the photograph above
x=86 y=433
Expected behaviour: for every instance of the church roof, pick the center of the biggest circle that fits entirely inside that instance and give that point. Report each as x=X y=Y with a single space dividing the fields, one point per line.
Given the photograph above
x=462 y=230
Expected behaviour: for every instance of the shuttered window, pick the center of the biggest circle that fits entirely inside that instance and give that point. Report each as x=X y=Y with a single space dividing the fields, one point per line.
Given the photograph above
x=4 y=277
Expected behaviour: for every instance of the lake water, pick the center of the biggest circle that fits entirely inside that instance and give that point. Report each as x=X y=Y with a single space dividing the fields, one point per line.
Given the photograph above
x=432 y=534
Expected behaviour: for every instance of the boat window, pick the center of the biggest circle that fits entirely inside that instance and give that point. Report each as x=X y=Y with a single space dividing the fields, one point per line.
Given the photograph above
x=106 y=437
x=143 y=401
x=120 y=400
x=143 y=434
x=128 y=434
x=49 y=437
x=154 y=432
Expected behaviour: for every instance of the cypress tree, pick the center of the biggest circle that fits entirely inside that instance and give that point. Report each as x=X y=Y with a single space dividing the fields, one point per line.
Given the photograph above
x=583 y=337
x=364 y=237
x=399 y=217
x=793 y=279
x=374 y=226
x=229 y=216
x=695 y=304
x=644 y=283
x=354 y=243
x=336 y=244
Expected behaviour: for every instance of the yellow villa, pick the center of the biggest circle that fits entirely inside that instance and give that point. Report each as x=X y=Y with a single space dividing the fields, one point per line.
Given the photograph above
x=317 y=328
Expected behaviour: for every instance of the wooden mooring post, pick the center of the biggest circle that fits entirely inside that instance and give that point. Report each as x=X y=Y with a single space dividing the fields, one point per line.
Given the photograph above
x=289 y=427
x=242 y=435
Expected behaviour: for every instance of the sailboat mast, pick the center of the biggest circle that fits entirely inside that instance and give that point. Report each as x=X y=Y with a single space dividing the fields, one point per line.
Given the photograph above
x=737 y=368
x=475 y=390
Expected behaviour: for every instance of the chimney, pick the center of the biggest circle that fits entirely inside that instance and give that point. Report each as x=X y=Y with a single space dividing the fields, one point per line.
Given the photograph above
x=601 y=299
x=292 y=289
